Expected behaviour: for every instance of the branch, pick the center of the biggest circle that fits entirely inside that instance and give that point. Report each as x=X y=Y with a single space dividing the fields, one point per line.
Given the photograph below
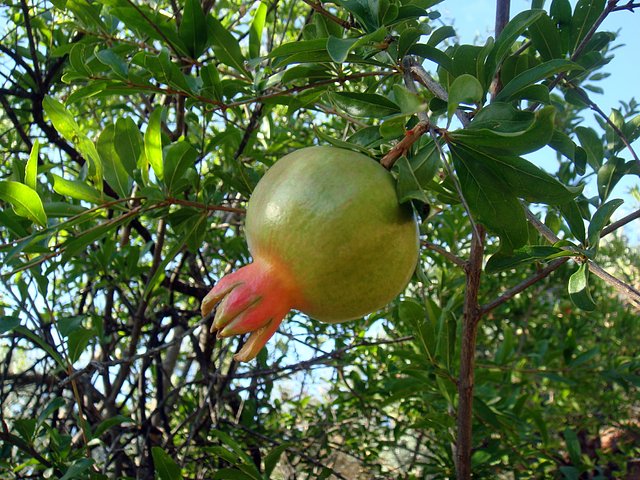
x=629 y=6
x=630 y=293
x=471 y=319
x=401 y=148
x=513 y=291
x=32 y=43
x=445 y=253
x=620 y=223
x=15 y=121
x=317 y=6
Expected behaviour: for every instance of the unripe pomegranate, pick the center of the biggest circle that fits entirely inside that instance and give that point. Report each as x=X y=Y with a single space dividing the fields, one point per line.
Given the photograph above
x=328 y=238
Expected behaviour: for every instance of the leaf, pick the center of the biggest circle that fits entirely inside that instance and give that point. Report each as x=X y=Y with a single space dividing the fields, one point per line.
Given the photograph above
x=609 y=175
x=26 y=428
x=31 y=169
x=584 y=16
x=600 y=220
x=153 y=143
x=490 y=202
x=24 y=200
x=571 y=213
x=527 y=254
x=579 y=289
x=225 y=46
x=51 y=407
x=257 y=26
x=77 y=342
x=545 y=38
x=80 y=241
x=128 y=143
x=108 y=423
x=77 y=468
x=113 y=61
x=76 y=189
x=366 y=12
x=69 y=129
x=408 y=187
x=304 y=46
x=339 y=48
x=39 y=341
x=8 y=323
x=502 y=129
x=441 y=34
x=433 y=54
x=114 y=171
x=166 y=468
x=272 y=459
x=512 y=30
x=573 y=446
x=533 y=75
x=464 y=89
x=232 y=474
x=408 y=102
x=364 y=104
x=592 y=144
x=520 y=177
x=177 y=159
x=193 y=28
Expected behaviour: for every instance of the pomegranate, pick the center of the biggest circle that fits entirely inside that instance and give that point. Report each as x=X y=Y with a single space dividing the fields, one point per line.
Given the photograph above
x=328 y=238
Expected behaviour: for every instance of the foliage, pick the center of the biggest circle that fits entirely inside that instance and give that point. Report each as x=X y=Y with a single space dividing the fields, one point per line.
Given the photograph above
x=132 y=135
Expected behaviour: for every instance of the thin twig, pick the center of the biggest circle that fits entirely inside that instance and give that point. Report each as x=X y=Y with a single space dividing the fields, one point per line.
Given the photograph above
x=401 y=148
x=620 y=223
x=445 y=253
x=625 y=289
x=317 y=6
x=520 y=287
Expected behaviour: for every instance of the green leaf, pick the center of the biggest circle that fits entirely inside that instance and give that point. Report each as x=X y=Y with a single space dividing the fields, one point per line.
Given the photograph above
x=257 y=26
x=114 y=172
x=584 y=16
x=512 y=30
x=77 y=469
x=232 y=474
x=31 y=169
x=76 y=189
x=571 y=213
x=366 y=12
x=579 y=289
x=592 y=144
x=600 y=220
x=364 y=104
x=51 y=407
x=304 y=46
x=24 y=200
x=609 y=175
x=502 y=129
x=37 y=340
x=573 y=446
x=153 y=143
x=527 y=254
x=108 y=423
x=520 y=177
x=193 y=28
x=464 y=89
x=177 y=159
x=166 y=467
x=26 y=428
x=545 y=38
x=533 y=75
x=69 y=129
x=425 y=163
x=81 y=240
x=77 y=342
x=112 y=60
x=8 y=323
x=441 y=34
x=272 y=459
x=490 y=200
x=128 y=143
x=225 y=46
x=408 y=187
x=408 y=102
x=433 y=54
x=339 y=48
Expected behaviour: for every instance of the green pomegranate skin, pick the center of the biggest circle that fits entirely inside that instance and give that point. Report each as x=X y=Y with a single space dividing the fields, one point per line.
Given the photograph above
x=331 y=217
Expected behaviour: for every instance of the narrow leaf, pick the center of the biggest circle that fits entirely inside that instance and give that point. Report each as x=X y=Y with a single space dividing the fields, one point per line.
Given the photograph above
x=364 y=104
x=408 y=187
x=533 y=75
x=257 y=26
x=178 y=158
x=166 y=467
x=24 y=200
x=153 y=143
x=600 y=220
x=193 y=28
x=584 y=16
x=579 y=289
x=31 y=170
x=114 y=172
x=226 y=46
x=76 y=189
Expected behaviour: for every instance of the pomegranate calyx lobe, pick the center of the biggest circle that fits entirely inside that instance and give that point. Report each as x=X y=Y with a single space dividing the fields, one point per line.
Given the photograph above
x=253 y=299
